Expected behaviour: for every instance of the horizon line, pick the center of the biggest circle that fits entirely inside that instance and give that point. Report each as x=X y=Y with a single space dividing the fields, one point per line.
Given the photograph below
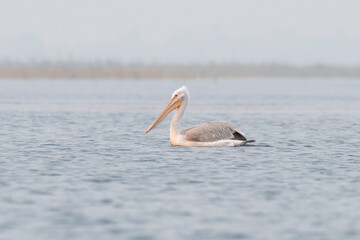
x=117 y=70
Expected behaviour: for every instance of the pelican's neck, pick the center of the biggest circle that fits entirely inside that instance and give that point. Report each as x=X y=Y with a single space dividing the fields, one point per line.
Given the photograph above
x=175 y=122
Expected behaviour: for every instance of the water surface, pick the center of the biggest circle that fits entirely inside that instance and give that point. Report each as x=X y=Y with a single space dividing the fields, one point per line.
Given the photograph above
x=75 y=162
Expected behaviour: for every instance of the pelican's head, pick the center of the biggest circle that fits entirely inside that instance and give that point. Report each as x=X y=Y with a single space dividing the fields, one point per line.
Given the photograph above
x=179 y=97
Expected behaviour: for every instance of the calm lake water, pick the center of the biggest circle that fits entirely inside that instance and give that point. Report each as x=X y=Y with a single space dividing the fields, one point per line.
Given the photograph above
x=75 y=162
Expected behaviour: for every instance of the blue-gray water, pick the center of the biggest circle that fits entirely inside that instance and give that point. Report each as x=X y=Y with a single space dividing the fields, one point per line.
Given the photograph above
x=75 y=162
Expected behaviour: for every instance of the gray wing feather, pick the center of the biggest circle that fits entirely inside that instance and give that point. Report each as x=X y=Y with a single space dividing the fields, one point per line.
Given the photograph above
x=211 y=132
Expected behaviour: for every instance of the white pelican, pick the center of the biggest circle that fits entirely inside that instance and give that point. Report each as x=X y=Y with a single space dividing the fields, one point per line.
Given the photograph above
x=207 y=134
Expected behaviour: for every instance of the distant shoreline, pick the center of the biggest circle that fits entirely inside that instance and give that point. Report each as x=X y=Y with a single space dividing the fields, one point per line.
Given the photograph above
x=109 y=70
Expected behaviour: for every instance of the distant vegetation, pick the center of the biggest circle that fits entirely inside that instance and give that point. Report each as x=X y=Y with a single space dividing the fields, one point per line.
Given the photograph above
x=112 y=70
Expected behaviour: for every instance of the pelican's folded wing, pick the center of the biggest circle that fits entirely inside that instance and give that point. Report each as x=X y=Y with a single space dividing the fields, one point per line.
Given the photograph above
x=211 y=132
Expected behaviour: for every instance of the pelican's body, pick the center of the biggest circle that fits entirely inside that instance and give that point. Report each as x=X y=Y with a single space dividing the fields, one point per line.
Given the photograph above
x=203 y=135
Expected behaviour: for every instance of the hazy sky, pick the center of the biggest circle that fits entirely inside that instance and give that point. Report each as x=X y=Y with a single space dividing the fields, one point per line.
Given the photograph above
x=253 y=31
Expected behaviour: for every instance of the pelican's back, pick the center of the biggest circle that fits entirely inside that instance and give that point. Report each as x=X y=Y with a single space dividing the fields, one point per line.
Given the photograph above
x=211 y=132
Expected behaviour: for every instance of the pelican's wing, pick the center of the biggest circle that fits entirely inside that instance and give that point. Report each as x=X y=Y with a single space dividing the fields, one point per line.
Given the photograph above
x=211 y=132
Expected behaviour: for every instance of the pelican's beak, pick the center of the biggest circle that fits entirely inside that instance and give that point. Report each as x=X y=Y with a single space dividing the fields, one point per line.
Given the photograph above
x=174 y=103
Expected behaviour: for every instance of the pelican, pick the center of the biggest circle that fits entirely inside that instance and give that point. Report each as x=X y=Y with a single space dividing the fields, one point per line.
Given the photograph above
x=203 y=135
